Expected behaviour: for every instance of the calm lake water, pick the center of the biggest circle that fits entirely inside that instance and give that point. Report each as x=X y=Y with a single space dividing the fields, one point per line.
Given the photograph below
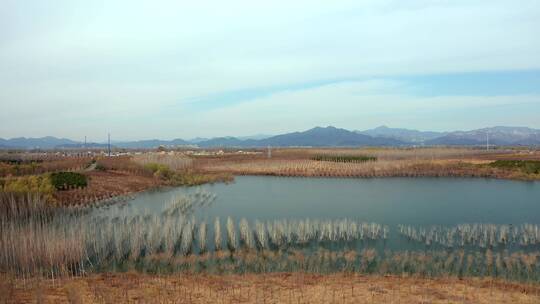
x=389 y=201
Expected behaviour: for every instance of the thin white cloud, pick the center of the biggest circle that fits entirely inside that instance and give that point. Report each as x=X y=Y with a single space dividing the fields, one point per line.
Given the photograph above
x=86 y=60
x=357 y=105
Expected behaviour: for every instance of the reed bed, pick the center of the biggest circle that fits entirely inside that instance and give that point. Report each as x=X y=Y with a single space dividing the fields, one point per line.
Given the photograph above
x=121 y=163
x=380 y=168
x=405 y=153
x=481 y=235
x=174 y=162
x=69 y=242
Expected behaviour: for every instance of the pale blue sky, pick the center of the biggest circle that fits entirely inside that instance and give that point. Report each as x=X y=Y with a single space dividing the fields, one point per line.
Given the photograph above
x=168 y=69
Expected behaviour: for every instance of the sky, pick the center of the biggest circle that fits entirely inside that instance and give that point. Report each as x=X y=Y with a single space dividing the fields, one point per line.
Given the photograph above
x=184 y=69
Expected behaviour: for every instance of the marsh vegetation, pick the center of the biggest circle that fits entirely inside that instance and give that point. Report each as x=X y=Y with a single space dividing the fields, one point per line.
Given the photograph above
x=71 y=241
x=271 y=224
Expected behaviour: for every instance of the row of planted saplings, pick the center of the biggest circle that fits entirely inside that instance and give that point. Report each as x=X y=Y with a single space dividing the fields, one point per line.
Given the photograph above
x=344 y=158
x=481 y=235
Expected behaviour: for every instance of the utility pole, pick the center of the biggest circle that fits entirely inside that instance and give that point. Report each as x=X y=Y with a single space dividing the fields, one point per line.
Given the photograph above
x=269 y=152
x=85 y=141
x=109 y=145
x=487 y=141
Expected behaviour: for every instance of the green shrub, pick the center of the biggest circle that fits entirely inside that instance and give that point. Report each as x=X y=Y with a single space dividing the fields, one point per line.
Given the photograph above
x=159 y=171
x=100 y=167
x=526 y=166
x=67 y=180
x=34 y=184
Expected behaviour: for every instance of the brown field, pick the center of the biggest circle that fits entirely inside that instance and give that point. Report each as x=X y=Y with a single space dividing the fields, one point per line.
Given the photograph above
x=268 y=288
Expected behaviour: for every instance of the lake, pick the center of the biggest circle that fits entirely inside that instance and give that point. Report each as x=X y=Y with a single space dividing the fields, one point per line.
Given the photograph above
x=432 y=226
x=390 y=201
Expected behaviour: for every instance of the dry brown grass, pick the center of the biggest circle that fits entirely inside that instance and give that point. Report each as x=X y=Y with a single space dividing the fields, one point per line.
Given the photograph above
x=107 y=184
x=392 y=162
x=382 y=168
x=269 y=288
x=411 y=153
x=40 y=166
x=172 y=161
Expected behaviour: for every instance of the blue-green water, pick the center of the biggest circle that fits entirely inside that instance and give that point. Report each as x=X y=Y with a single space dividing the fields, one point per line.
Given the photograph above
x=390 y=201
x=428 y=226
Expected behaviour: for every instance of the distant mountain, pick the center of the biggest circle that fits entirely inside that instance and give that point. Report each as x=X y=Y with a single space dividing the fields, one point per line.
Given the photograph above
x=500 y=136
x=197 y=140
x=406 y=135
x=316 y=137
x=152 y=143
x=47 y=142
x=226 y=142
x=329 y=136
x=454 y=140
x=81 y=145
x=533 y=140
x=256 y=137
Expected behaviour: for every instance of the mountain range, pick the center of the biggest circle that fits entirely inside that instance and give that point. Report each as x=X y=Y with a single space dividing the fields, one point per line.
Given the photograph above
x=316 y=137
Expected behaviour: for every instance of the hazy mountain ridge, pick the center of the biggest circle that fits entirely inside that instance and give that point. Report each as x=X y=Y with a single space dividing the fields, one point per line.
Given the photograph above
x=315 y=137
x=47 y=142
x=496 y=135
x=408 y=135
x=329 y=136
